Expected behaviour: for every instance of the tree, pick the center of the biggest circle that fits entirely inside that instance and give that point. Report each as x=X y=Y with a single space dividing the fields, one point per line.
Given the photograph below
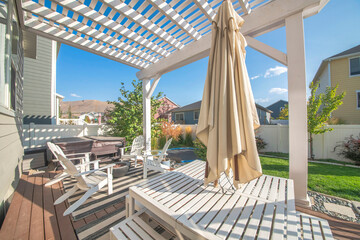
x=284 y=113
x=319 y=111
x=69 y=112
x=126 y=118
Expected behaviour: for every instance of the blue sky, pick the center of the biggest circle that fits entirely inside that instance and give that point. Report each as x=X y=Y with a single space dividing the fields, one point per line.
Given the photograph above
x=82 y=75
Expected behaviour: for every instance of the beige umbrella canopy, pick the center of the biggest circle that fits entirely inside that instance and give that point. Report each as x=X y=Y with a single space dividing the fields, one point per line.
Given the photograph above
x=228 y=114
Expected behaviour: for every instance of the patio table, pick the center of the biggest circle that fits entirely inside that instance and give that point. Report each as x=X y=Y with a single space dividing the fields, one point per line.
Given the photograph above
x=265 y=207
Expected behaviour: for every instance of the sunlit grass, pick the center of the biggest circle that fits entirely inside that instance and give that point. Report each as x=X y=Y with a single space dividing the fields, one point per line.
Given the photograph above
x=333 y=180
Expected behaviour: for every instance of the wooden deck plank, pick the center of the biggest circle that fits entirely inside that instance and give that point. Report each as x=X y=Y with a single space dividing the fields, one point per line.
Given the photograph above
x=37 y=214
x=340 y=229
x=50 y=221
x=64 y=222
x=9 y=224
x=23 y=224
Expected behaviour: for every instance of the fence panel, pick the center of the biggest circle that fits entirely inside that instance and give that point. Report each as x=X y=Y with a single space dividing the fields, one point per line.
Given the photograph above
x=37 y=135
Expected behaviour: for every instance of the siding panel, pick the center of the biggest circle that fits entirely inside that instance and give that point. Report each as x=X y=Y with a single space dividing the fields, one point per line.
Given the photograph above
x=37 y=83
x=348 y=111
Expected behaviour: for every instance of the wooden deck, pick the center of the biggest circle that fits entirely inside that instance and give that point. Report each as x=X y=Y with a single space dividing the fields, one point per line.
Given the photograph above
x=32 y=215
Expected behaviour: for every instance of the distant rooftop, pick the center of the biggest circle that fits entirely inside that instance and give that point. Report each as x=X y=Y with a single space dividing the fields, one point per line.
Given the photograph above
x=197 y=106
x=348 y=52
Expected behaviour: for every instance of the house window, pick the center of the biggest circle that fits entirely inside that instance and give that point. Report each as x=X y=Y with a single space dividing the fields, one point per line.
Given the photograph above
x=358 y=99
x=196 y=115
x=354 y=66
x=179 y=117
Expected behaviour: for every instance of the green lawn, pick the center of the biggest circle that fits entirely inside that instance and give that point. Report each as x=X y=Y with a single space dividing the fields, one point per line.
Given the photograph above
x=333 y=180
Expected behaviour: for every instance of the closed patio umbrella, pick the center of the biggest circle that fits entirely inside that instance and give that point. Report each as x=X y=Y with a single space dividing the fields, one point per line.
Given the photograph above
x=228 y=113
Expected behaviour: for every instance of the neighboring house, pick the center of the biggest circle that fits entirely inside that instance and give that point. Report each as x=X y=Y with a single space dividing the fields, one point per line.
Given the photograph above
x=276 y=108
x=264 y=114
x=40 y=98
x=164 y=110
x=343 y=69
x=189 y=114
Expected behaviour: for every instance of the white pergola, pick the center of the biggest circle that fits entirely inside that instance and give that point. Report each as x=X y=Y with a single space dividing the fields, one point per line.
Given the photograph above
x=157 y=36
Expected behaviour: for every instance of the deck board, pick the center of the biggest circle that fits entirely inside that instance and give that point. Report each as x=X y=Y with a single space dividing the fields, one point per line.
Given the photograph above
x=37 y=214
x=45 y=221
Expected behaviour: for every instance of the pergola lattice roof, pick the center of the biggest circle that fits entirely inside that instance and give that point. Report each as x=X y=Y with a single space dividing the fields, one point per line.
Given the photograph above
x=136 y=33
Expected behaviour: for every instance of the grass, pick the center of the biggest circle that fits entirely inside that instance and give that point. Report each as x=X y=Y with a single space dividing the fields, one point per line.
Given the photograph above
x=333 y=180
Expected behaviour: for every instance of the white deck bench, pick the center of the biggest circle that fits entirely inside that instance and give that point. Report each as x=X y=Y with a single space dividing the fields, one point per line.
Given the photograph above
x=164 y=195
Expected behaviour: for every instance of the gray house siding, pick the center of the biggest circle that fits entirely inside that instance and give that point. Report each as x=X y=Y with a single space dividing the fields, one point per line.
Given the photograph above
x=39 y=84
x=11 y=149
x=275 y=108
x=264 y=117
x=188 y=117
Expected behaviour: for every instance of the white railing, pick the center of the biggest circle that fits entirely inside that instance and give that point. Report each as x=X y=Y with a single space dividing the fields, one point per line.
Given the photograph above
x=38 y=135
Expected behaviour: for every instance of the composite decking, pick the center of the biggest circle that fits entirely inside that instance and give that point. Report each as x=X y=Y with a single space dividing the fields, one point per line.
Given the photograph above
x=32 y=214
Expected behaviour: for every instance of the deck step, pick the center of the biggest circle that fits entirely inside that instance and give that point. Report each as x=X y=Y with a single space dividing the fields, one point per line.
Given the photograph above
x=138 y=226
x=312 y=227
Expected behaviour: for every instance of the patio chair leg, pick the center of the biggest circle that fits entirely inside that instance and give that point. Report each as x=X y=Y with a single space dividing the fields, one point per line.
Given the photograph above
x=66 y=195
x=77 y=204
x=57 y=178
x=109 y=181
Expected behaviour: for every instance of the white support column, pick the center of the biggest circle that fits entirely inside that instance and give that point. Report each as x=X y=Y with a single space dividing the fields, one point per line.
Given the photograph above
x=146 y=114
x=298 y=140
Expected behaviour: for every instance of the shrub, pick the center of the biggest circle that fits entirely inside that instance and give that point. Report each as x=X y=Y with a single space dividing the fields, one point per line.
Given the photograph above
x=350 y=148
x=161 y=142
x=188 y=137
x=260 y=143
x=169 y=130
x=200 y=149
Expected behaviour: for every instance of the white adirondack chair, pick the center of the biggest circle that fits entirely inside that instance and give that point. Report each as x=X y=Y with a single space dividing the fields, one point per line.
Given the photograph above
x=154 y=162
x=82 y=167
x=90 y=181
x=135 y=151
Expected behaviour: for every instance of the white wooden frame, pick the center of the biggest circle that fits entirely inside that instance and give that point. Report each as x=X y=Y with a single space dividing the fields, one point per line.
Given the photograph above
x=166 y=40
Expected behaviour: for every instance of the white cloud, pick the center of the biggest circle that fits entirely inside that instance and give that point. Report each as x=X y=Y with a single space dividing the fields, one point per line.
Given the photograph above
x=262 y=100
x=276 y=71
x=255 y=77
x=75 y=95
x=278 y=90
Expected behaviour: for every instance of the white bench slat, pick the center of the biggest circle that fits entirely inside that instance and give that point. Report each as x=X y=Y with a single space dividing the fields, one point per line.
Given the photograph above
x=184 y=194
x=274 y=189
x=148 y=229
x=129 y=232
x=254 y=223
x=306 y=228
x=258 y=186
x=278 y=230
x=265 y=228
x=139 y=230
x=240 y=225
x=213 y=211
x=266 y=188
x=220 y=217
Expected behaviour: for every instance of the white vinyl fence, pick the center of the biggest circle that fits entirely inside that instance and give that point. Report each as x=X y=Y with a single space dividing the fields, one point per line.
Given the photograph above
x=37 y=135
x=277 y=139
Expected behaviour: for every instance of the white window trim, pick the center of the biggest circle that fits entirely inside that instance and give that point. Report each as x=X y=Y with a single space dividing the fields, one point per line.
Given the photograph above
x=357 y=75
x=194 y=115
x=181 y=113
x=357 y=99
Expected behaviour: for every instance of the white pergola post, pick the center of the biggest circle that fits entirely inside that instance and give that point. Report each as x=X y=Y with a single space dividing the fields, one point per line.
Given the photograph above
x=298 y=140
x=148 y=89
x=146 y=114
